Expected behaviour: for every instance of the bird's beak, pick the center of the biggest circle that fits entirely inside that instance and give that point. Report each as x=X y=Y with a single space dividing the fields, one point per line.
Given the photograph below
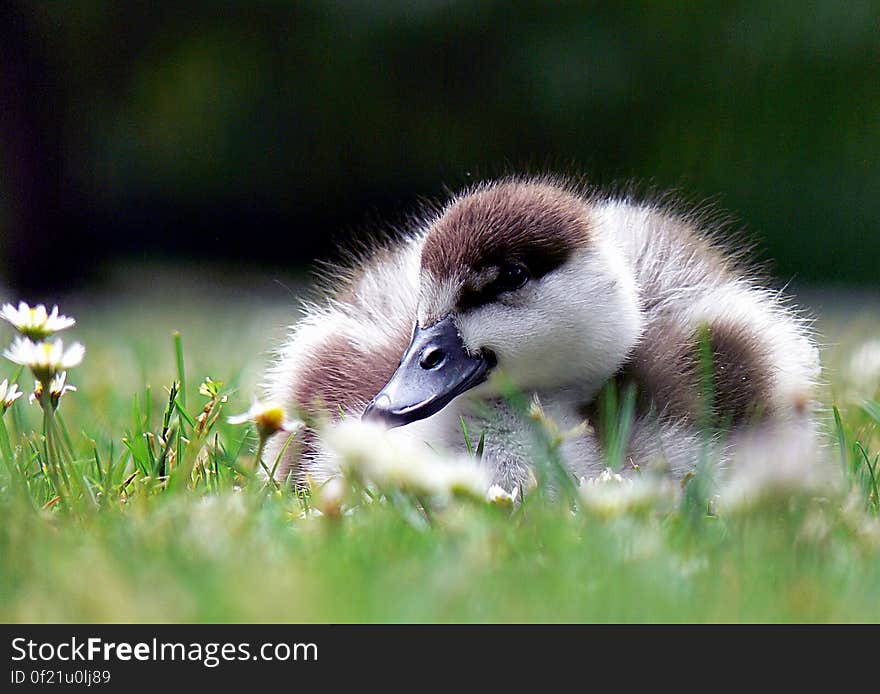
x=435 y=368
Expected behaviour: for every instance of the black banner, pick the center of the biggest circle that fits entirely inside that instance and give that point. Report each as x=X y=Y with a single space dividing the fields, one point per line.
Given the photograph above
x=113 y=657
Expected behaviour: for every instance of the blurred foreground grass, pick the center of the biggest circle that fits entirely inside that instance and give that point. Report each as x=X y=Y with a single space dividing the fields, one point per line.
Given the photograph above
x=219 y=545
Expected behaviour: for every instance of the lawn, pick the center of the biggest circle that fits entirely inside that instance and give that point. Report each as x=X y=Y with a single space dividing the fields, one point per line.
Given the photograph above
x=161 y=517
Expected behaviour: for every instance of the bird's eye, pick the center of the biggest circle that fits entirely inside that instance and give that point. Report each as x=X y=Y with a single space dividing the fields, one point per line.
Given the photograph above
x=510 y=277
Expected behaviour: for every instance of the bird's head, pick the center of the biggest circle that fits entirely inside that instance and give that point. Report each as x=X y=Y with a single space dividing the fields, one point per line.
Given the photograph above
x=519 y=278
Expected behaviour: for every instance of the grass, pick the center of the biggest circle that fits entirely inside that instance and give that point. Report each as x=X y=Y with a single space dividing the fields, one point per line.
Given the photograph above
x=164 y=520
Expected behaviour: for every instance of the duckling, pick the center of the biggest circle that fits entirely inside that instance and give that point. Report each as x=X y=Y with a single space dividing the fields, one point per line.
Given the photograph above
x=555 y=290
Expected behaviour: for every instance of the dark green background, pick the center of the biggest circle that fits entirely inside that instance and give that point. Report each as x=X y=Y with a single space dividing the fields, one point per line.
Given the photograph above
x=265 y=131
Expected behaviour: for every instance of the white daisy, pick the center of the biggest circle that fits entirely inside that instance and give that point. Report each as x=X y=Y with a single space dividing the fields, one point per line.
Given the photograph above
x=781 y=463
x=499 y=497
x=462 y=477
x=57 y=388
x=392 y=461
x=269 y=418
x=605 y=477
x=45 y=359
x=8 y=394
x=331 y=496
x=35 y=323
x=611 y=494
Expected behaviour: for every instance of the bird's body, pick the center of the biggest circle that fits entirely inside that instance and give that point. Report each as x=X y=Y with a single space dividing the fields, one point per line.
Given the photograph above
x=556 y=291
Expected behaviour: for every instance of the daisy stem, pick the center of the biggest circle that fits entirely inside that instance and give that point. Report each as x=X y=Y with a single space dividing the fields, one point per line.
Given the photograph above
x=56 y=469
x=270 y=477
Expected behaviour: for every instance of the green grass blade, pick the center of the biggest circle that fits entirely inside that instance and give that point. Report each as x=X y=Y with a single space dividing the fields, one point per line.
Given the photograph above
x=841 y=441
x=181 y=372
x=467 y=437
x=872 y=409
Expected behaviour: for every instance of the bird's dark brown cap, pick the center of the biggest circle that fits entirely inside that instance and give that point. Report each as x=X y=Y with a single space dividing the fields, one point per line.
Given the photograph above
x=536 y=224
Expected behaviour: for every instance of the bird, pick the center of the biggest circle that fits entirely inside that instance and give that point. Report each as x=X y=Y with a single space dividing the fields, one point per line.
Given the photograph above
x=549 y=288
